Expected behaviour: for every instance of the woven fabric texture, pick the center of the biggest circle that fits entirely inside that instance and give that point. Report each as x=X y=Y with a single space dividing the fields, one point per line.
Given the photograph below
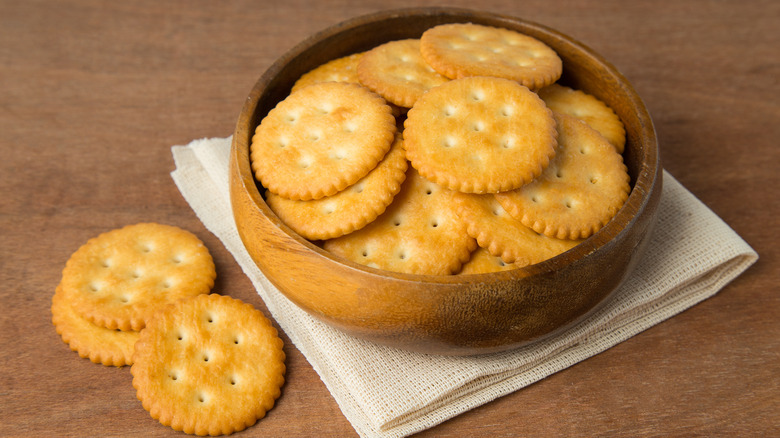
x=385 y=392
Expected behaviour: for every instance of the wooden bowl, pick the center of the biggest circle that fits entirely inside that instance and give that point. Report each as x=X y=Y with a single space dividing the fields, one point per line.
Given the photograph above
x=459 y=314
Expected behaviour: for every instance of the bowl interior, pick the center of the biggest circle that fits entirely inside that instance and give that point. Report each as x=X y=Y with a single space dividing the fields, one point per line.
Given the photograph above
x=582 y=69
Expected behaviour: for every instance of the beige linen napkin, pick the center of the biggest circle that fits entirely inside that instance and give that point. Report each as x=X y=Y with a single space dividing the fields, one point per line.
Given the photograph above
x=386 y=392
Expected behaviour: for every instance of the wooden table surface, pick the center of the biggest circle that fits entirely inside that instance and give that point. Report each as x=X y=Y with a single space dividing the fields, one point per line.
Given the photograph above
x=94 y=94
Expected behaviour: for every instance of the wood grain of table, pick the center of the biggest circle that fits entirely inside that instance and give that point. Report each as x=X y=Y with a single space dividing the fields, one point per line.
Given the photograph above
x=94 y=93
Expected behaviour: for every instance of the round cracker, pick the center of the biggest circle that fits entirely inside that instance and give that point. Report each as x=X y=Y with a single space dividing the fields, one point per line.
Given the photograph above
x=419 y=233
x=459 y=50
x=580 y=191
x=504 y=236
x=342 y=69
x=350 y=209
x=98 y=344
x=597 y=114
x=321 y=139
x=118 y=279
x=210 y=364
x=480 y=135
x=397 y=72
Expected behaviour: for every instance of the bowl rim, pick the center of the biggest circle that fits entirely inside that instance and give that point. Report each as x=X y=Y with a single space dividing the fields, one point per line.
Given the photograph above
x=647 y=179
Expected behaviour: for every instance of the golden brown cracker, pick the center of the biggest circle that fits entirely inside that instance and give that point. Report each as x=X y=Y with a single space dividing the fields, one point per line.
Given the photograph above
x=396 y=71
x=504 y=236
x=321 y=139
x=419 y=233
x=98 y=344
x=482 y=262
x=480 y=135
x=119 y=278
x=458 y=50
x=210 y=364
x=580 y=191
x=597 y=114
x=349 y=209
x=342 y=69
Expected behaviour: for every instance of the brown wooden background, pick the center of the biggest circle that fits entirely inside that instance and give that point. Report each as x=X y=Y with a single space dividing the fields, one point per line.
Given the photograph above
x=94 y=93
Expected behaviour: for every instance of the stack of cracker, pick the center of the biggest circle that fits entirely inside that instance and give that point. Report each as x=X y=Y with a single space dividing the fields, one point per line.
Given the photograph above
x=454 y=153
x=202 y=363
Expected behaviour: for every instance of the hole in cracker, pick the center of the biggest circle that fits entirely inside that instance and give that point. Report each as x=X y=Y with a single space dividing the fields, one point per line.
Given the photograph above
x=233 y=381
x=477 y=95
x=206 y=357
x=448 y=111
x=402 y=255
x=282 y=142
x=448 y=142
x=478 y=126
x=365 y=253
x=583 y=151
x=567 y=203
x=94 y=287
x=177 y=259
x=124 y=299
x=507 y=143
x=506 y=111
x=559 y=174
x=397 y=222
x=173 y=375
x=434 y=223
x=166 y=284
x=593 y=180
x=358 y=188
x=202 y=398
x=534 y=199
x=136 y=274
x=105 y=263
